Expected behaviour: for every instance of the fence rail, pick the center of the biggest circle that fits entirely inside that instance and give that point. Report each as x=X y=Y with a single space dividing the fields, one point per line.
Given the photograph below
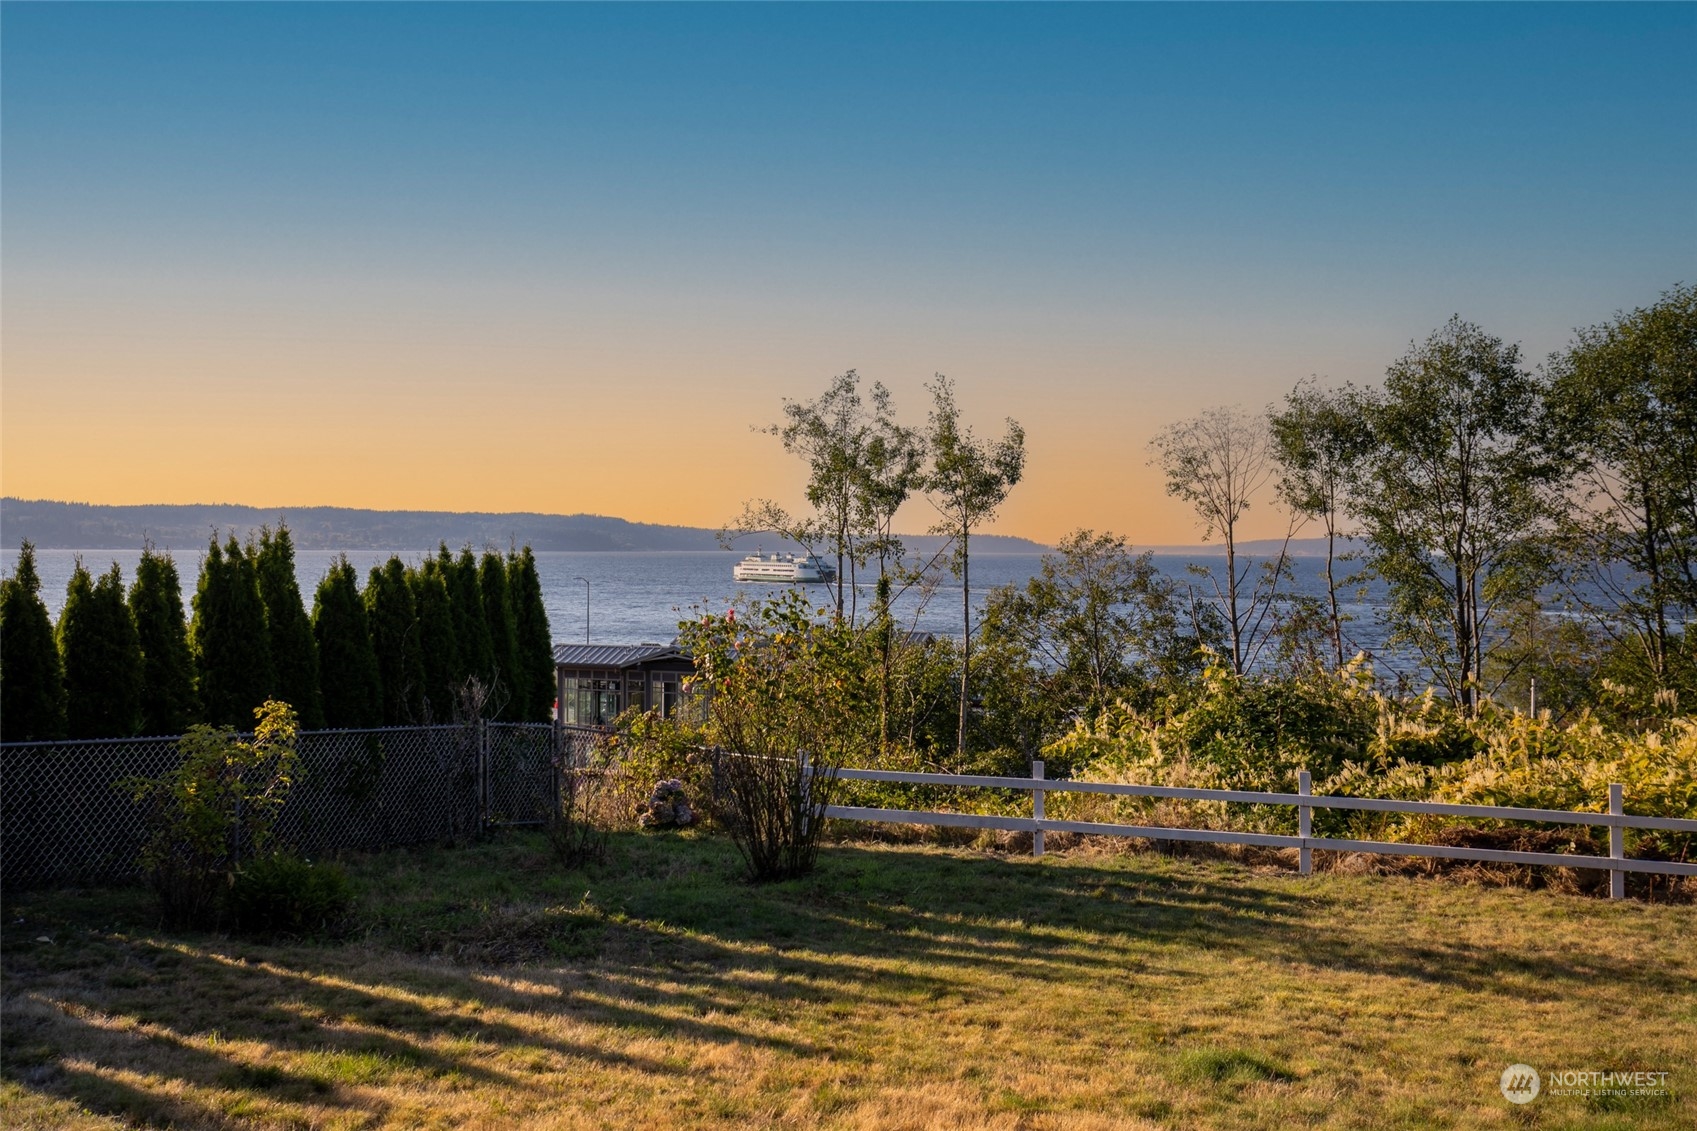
x=1617 y=820
x=67 y=815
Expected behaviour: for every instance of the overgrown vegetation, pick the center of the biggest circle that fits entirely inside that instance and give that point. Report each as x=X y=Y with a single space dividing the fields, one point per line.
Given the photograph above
x=215 y=812
x=578 y=822
x=1472 y=484
x=1258 y=733
x=782 y=705
x=277 y=893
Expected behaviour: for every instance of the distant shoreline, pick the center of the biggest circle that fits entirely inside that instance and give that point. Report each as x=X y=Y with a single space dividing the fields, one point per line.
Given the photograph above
x=50 y=524
x=54 y=525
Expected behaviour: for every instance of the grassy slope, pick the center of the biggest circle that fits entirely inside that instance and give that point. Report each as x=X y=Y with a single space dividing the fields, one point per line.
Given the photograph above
x=899 y=987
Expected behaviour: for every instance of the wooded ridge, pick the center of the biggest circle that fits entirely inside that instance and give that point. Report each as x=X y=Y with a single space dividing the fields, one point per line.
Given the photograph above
x=85 y=526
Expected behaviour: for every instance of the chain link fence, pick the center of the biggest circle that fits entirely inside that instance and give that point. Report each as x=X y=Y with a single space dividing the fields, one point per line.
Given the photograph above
x=68 y=817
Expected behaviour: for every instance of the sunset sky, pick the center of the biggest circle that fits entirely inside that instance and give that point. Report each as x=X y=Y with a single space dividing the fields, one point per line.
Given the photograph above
x=562 y=257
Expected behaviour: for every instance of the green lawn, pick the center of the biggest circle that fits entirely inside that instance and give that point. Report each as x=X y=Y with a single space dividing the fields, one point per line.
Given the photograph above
x=897 y=987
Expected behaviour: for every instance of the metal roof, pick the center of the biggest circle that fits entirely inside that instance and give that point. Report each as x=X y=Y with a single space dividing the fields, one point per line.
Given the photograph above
x=615 y=655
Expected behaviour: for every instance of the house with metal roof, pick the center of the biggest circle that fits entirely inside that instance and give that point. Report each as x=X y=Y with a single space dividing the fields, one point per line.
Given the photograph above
x=598 y=682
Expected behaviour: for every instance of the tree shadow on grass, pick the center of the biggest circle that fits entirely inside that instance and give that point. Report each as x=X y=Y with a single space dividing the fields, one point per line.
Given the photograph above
x=206 y=1031
x=1040 y=921
x=665 y=943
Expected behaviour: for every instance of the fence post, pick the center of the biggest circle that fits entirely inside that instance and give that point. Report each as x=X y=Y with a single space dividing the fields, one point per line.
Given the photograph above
x=806 y=798
x=1037 y=809
x=1304 y=824
x=482 y=775
x=1617 y=841
x=558 y=779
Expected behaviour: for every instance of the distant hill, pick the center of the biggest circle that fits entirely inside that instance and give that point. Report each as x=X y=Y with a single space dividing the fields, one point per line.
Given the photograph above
x=1261 y=548
x=85 y=526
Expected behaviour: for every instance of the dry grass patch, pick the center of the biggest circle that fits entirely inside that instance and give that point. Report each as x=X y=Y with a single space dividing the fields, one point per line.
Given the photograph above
x=898 y=987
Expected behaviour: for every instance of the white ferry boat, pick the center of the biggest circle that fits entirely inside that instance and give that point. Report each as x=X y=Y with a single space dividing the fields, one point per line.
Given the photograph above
x=805 y=569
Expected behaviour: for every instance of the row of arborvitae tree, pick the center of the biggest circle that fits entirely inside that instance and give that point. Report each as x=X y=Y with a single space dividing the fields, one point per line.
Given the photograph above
x=403 y=651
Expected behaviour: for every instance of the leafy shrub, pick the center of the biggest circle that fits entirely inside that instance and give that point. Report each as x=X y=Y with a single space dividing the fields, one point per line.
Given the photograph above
x=773 y=806
x=1256 y=734
x=645 y=749
x=1538 y=764
x=1230 y=732
x=785 y=701
x=214 y=810
x=281 y=894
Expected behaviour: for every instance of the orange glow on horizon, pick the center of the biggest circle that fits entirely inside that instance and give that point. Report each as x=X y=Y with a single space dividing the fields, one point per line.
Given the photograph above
x=434 y=430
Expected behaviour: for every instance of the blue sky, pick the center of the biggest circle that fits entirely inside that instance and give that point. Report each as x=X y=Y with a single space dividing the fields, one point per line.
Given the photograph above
x=1096 y=217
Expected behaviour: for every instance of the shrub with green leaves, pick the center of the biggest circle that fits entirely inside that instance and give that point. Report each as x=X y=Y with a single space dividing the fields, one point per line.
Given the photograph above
x=217 y=809
x=1539 y=764
x=647 y=748
x=281 y=894
x=1231 y=732
x=775 y=684
x=1253 y=733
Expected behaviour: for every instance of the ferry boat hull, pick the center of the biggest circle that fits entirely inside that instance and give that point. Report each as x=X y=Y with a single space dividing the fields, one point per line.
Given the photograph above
x=797 y=569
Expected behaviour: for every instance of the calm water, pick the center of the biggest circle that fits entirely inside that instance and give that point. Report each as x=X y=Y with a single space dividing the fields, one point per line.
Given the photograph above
x=640 y=596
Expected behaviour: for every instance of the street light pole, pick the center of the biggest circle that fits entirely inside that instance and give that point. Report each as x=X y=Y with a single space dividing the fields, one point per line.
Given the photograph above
x=585 y=581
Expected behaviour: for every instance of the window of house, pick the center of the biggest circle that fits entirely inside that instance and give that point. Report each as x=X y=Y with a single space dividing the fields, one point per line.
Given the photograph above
x=664 y=693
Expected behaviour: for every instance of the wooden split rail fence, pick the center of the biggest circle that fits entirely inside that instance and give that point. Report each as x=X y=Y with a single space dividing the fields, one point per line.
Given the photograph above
x=1616 y=863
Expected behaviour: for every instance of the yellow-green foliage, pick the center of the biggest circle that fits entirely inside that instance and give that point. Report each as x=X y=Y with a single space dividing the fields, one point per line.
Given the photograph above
x=1233 y=732
x=647 y=749
x=215 y=809
x=1256 y=734
x=1538 y=764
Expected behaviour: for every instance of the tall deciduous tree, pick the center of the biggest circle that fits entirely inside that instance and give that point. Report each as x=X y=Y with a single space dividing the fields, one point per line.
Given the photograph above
x=347 y=664
x=1319 y=439
x=1098 y=622
x=32 y=680
x=1450 y=498
x=102 y=656
x=830 y=434
x=503 y=634
x=168 y=702
x=1218 y=462
x=532 y=641
x=968 y=481
x=1624 y=410
x=892 y=468
x=862 y=466
x=294 y=654
x=437 y=650
x=229 y=637
x=393 y=616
